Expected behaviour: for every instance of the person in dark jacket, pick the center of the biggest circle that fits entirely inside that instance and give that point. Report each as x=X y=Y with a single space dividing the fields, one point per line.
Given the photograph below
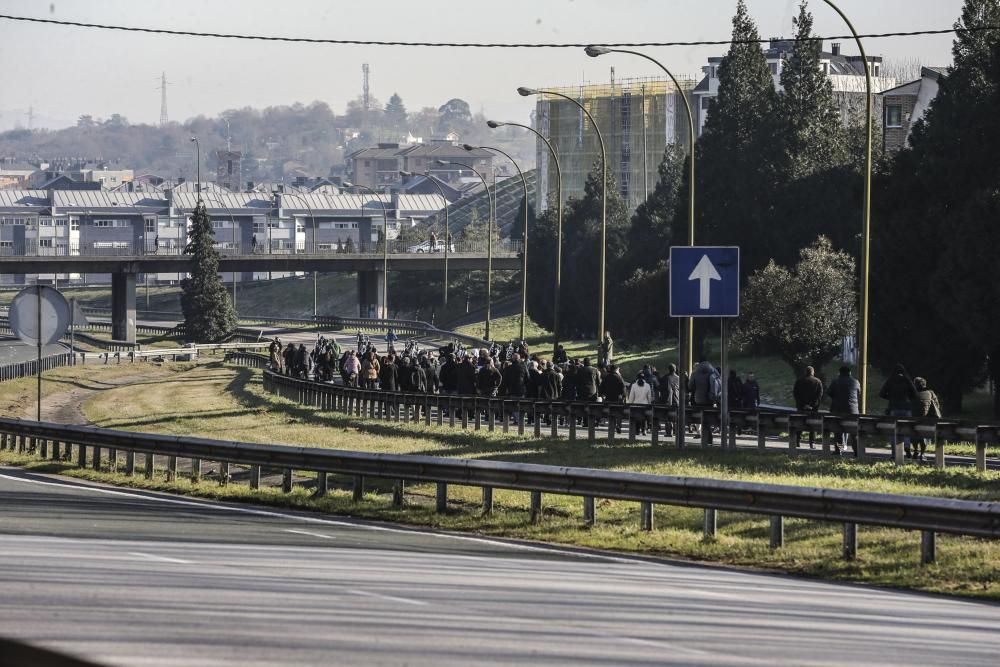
x=613 y=386
x=488 y=380
x=900 y=393
x=559 y=356
x=670 y=393
x=925 y=406
x=845 y=397
x=465 y=377
x=549 y=386
x=515 y=378
x=751 y=392
x=735 y=397
x=587 y=380
x=449 y=375
x=388 y=374
x=808 y=394
x=534 y=380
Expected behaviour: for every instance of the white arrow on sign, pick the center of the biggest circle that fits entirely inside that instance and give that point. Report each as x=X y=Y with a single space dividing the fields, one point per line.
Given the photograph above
x=706 y=273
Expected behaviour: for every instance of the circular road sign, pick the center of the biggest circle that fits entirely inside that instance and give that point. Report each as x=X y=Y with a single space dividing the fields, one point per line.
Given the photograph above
x=24 y=315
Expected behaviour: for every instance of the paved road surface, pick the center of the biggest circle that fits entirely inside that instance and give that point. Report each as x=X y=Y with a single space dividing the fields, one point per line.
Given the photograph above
x=13 y=351
x=129 y=578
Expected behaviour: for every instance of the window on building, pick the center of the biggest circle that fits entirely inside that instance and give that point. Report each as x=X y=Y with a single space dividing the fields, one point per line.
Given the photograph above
x=876 y=68
x=150 y=225
x=105 y=245
x=300 y=228
x=44 y=243
x=109 y=223
x=706 y=102
x=60 y=222
x=15 y=221
x=6 y=244
x=45 y=222
x=893 y=115
x=774 y=68
x=74 y=224
x=218 y=224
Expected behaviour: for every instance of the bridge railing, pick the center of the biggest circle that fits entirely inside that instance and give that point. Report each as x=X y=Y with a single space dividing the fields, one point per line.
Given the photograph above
x=507 y=413
x=119 y=450
x=501 y=247
x=30 y=367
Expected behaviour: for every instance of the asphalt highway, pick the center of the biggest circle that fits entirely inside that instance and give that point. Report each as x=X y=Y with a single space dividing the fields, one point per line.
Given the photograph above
x=131 y=578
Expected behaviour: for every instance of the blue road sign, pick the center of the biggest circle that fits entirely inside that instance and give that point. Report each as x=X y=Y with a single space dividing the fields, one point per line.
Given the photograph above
x=704 y=281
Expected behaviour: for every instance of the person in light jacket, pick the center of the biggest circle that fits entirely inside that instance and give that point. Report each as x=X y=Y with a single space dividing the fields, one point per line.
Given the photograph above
x=640 y=394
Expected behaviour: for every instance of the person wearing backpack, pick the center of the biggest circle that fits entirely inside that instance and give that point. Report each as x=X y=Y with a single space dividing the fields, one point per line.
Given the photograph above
x=925 y=406
x=705 y=385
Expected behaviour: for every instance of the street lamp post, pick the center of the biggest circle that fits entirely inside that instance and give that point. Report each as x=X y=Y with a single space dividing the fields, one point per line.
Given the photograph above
x=489 y=238
x=866 y=222
x=555 y=159
x=525 y=92
x=313 y=218
x=197 y=145
x=447 y=239
x=385 y=245
x=524 y=250
x=595 y=51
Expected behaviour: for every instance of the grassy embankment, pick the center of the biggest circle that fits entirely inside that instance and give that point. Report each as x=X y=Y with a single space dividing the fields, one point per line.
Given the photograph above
x=214 y=400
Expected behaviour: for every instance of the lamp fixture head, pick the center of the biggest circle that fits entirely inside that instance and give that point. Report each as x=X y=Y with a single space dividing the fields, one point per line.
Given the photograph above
x=494 y=124
x=594 y=51
x=526 y=92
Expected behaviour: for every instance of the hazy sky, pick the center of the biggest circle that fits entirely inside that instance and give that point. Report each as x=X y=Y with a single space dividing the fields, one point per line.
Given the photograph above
x=64 y=72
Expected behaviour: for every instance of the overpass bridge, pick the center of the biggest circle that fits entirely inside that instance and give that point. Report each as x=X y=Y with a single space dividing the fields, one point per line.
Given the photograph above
x=125 y=263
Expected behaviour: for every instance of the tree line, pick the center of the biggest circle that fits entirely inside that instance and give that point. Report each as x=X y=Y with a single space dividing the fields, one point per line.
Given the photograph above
x=780 y=174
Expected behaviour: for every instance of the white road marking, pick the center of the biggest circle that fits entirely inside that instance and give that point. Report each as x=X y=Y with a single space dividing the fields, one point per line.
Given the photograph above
x=334 y=522
x=390 y=598
x=160 y=559
x=306 y=532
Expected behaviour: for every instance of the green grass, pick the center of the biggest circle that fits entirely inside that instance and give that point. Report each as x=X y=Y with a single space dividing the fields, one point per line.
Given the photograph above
x=219 y=401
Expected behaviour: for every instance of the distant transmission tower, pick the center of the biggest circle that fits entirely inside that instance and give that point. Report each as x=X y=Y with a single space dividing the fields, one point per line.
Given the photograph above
x=31 y=117
x=163 y=99
x=365 y=96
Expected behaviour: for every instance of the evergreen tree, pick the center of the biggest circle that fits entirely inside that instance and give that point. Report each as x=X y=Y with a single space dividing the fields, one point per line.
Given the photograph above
x=395 y=112
x=735 y=151
x=811 y=130
x=542 y=267
x=934 y=286
x=209 y=316
x=650 y=233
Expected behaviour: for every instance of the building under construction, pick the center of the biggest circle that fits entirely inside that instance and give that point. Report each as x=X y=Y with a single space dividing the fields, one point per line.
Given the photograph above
x=638 y=118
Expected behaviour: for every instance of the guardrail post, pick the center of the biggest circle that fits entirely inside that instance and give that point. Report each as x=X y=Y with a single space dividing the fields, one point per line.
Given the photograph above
x=224 y=473
x=613 y=426
x=130 y=462
x=862 y=441
x=938 y=450
x=56 y=450
x=897 y=445
x=928 y=547
x=441 y=498
x=451 y=412
x=571 y=421
x=196 y=470
x=589 y=511
x=706 y=430
x=150 y=465
x=254 y=477
x=427 y=410
x=850 y=541
x=286 y=480
x=761 y=433
x=631 y=423
x=591 y=424
x=322 y=483
x=21 y=446
x=646 y=515
x=96 y=462
x=536 y=418
x=777 y=531
x=980 y=450
x=44 y=449
x=477 y=420
x=171 y=468
x=81 y=452
x=358 y=488
x=487 y=500
x=521 y=417
x=536 y=507
x=398 y=491
x=711 y=522
x=793 y=438
x=504 y=417
x=465 y=413
x=113 y=459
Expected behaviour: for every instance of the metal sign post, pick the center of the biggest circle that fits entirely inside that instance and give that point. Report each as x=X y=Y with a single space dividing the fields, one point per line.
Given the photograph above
x=39 y=315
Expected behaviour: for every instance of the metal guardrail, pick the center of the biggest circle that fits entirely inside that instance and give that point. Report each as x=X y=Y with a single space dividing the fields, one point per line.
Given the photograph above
x=763 y=423
x=929 y=515
x=30 y=367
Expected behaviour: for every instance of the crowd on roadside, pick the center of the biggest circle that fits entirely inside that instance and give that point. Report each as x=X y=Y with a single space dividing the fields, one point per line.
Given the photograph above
x=511 y=370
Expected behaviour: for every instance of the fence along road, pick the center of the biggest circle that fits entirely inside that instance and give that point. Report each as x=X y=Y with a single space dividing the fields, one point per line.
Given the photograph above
x=141 y=578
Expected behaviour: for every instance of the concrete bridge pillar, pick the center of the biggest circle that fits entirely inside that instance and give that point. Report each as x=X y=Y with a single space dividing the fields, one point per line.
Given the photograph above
x=370 y=302
x=123 y=306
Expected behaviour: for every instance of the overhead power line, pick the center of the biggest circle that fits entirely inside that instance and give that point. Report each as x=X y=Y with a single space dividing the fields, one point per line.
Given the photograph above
x=470 y=45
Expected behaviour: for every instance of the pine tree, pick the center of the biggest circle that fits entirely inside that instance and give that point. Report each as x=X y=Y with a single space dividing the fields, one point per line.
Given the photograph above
x=811 y=130
x=209 y=315
x=395 y=112
x=650 y=232
x=935 y=301
x=735 y=152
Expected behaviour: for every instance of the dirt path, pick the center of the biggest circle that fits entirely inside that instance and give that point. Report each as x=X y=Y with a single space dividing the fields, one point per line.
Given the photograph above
x=65 y=406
